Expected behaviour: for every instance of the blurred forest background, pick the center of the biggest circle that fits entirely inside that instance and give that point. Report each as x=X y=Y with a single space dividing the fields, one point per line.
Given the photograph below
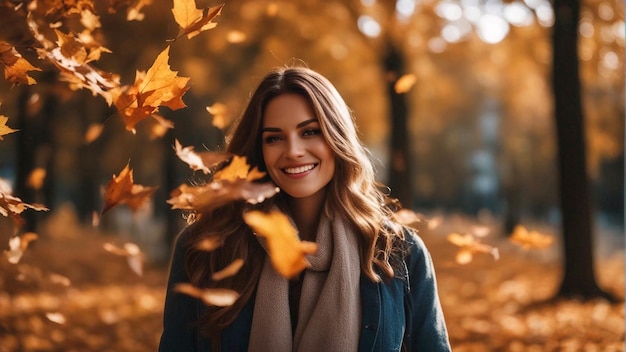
x=454 y=98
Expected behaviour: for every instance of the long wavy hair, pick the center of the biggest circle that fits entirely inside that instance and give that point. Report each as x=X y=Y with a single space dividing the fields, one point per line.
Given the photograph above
x=352 y=194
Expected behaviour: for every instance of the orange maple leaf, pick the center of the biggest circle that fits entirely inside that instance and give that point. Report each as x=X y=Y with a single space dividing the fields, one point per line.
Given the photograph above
x=122 y=190
x=13 y=207
x=159 y=86
x=238 y=169
x=4 y=129
x=287 y=253
x=192 y=20
x=15 y=66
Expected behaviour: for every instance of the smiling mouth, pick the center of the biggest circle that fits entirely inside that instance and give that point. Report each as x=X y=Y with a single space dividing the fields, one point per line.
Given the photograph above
x=299 y=169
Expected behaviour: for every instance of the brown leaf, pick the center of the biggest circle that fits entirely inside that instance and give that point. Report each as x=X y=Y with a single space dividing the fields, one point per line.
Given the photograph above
x=36 y=178
x=4 y=129
x=470 y=245
x=122 y=190
x=209 y=243
x=238 y=169
x=16 y=68
x=205 y=198
x=192 y=20
x=287 y=253
x=12 y=207
x=160 y=86
x=211 y=296
x=530 y=239
x=93 y=132
x=132 y=252
x=219 y=112
x=191 y=158
x=230 y=270
x=18 y=245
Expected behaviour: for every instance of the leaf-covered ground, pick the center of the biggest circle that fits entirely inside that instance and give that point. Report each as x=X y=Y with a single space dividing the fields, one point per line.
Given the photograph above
x=69 y=294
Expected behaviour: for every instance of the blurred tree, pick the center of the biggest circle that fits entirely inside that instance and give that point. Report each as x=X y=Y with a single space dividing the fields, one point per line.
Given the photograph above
x=576 y=203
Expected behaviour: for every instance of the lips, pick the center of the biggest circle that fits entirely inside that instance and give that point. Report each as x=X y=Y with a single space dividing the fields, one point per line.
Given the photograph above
x=299 y=169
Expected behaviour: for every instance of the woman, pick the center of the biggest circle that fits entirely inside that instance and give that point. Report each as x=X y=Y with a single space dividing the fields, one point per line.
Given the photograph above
x=371 y=284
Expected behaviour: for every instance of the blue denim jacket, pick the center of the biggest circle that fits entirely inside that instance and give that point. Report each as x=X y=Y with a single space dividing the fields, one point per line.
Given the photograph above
x=402 y=314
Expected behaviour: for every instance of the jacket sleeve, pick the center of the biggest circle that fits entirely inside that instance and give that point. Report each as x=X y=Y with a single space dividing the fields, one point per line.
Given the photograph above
x=426 y=322
x=181 y=311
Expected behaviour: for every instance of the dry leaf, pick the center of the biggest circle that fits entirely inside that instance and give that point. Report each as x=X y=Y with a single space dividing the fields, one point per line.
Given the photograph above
x=191 y=158
x=36 y=178
x=238 y=169
x=230 y=270
x=470 y=245
x=122 y=190
x=206 y=198
x=408 y=217
x=530 y=239
x=93 y=132
x=56 y=318
x=192 y=20
x=12 y=207
x=132 y=252
x=4 y=129
x=17 y=246
x=16 y=68
x=160 y=86
x=211 y=296
x=405 y=83
x=220 y=119
x=287 y=253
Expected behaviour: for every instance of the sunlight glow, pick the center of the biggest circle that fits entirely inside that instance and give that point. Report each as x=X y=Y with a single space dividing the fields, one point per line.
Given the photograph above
x=619 y=29
x=456 y=31
x=605 y=11
x=545 y=14
x=368 y=26
x=610 y=59
x=405 y=8
x=368 y=2
x=437 y=45
x=492 y=28
x=586 y=29
x=518 y=14
x=449 y=10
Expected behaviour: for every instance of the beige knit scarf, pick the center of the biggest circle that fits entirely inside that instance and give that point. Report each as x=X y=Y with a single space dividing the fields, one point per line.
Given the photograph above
x=329 y=316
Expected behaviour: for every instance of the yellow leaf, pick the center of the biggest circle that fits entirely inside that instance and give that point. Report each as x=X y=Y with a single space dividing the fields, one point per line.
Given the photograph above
x=4 y=129
x=211 y=296
x=287 y=253
x=530 y=239
x=192 y=20
x=230 y=270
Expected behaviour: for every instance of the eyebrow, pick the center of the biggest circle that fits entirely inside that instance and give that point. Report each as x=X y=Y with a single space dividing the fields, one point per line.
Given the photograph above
x=300 y=125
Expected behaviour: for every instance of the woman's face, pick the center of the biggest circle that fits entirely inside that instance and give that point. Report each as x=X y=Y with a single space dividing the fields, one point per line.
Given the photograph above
x=296 y=155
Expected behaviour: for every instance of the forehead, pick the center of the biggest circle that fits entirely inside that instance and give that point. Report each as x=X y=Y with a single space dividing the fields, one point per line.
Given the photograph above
x=287 y=109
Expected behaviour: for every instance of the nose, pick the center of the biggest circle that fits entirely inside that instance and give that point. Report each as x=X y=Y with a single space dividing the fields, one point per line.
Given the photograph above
x=295 y=148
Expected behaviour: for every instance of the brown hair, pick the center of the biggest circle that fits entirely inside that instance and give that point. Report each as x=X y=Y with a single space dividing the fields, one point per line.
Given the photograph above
x=353 y=194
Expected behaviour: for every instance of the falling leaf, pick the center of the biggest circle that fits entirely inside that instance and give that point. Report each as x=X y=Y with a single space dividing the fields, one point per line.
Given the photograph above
x=530 y=239
x=132 y=252
x=287 y=253
x=4 y=129
x=18 y=245
x=60 y=279
x=405 y=83
x=12 y=207
x=192 y=20
x=16 y=68
x=122 y=190
x=205 y=198
x=93 y=132
x=36 y=178
x=56 y=318
x=220 y=119
x=228 y=271
x=238 y=169
x=408 y=217
x=159 y=86
x=191 y=158
x=211 y=296
x=470 y=245
x=160 y=128
x=235 y=37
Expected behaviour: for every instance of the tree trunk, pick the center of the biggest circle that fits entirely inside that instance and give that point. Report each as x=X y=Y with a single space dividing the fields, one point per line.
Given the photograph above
x=576 y=210
x=400 y=160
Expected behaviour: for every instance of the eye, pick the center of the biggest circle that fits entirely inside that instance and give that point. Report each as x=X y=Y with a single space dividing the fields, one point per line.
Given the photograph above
x=271 y=139
x=312 y=132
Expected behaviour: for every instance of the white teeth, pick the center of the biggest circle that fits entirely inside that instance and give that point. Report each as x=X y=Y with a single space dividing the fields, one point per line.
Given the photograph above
x=299 y=169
